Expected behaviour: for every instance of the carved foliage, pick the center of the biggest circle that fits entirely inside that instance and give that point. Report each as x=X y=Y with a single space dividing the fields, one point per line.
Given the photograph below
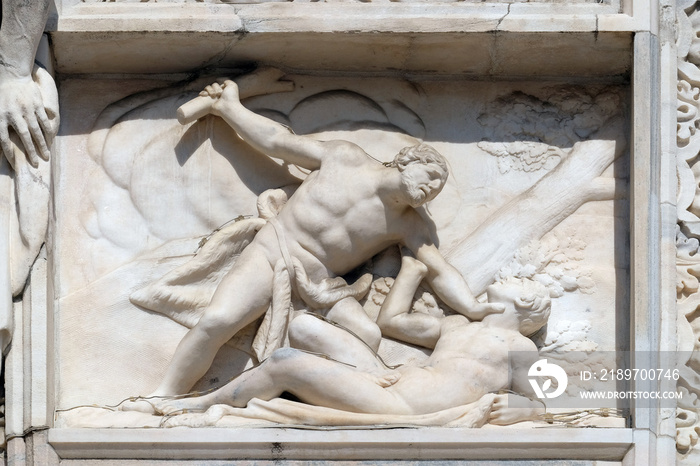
x=688 y=229
x=553 y=261
x=527 y=132
x=687 y=421
x=688 y=119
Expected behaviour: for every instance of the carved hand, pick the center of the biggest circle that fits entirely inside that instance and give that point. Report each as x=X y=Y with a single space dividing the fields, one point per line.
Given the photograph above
x=480 y=310
x=261 y=81
x=220 y=93
x=22 y=110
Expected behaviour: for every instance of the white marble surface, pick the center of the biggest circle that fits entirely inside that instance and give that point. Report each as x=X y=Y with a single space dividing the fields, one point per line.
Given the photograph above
x=122 y=219
x=439 y=444
x=107 y=241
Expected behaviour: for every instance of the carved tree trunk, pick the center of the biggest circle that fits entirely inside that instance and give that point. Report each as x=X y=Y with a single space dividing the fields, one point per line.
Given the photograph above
x=533 y=213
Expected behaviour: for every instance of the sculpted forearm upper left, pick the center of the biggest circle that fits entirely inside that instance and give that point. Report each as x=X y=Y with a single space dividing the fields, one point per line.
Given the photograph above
x=265 y=135
x=22 y=25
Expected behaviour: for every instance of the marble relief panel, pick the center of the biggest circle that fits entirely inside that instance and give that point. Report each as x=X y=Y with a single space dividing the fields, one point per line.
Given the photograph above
x=285 y=227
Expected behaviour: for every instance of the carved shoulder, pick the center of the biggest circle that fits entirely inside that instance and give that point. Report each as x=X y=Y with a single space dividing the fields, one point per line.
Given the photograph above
x=345 y=153
x=519 y=342
x=413 y=230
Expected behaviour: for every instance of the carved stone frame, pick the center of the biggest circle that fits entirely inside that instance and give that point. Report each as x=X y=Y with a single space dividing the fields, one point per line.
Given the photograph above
x=646 y=27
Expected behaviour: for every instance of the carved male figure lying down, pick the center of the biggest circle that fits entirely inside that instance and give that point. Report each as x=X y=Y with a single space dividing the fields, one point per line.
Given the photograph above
x=470 y=359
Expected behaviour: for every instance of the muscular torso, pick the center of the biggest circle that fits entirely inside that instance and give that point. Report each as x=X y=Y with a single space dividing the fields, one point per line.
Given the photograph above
x=469 y=360
x=336 y=220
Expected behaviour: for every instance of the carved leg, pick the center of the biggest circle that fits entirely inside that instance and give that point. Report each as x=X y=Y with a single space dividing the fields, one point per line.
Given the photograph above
x=314 y=380
x=242 y=296
x=400 y=297
x=350 y=314
x=310 y=333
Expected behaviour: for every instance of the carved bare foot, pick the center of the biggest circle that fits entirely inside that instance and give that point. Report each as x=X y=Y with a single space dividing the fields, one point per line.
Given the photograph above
x=143 y=405
x=183 y=405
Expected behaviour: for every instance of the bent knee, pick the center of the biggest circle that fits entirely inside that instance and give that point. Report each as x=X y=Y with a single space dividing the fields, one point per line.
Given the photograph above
x=305 y=328
x=364 y=329
x=284 y=354
x=218 y=326
x=370 y=333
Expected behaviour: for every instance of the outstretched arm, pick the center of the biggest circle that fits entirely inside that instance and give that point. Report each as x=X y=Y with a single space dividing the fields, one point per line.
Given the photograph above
x=21 y=105
x=395 y=319
x=265 y=135
x=445 y=280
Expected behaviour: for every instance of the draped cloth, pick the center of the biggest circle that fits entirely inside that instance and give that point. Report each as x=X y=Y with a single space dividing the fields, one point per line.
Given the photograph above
x=184 y=293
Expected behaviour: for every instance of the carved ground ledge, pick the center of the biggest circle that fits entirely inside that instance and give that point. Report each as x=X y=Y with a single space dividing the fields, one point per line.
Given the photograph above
x=379 y=444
